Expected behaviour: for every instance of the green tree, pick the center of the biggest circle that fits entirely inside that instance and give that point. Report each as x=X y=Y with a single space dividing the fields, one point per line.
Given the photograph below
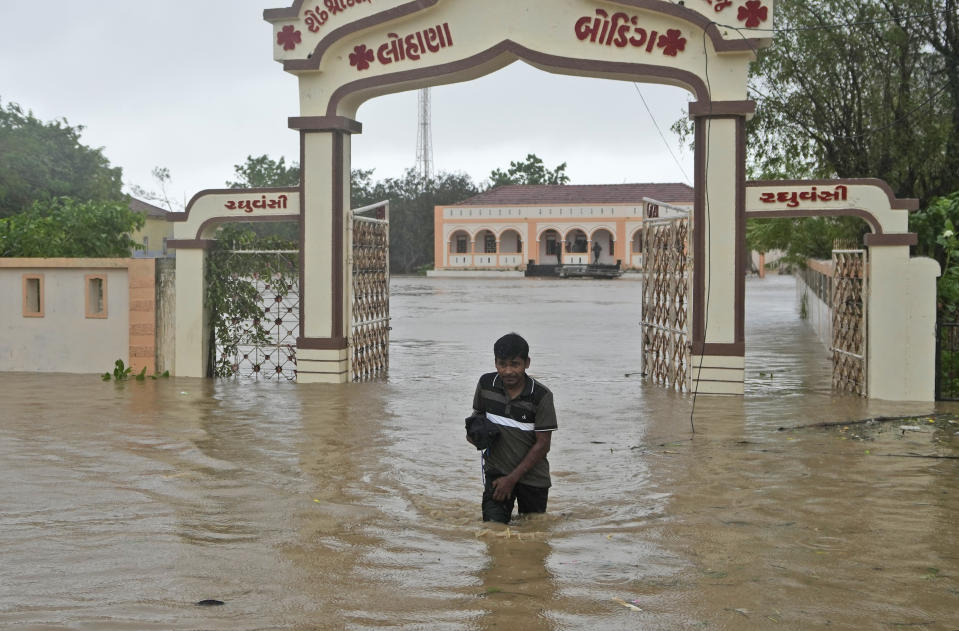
x=530 y=171
x=936 y=227
x=412 y=200
x=801 y=238
x=66 y=227
x=861 y=88
x=855 y=88
x=42 y=161
x=265 y=172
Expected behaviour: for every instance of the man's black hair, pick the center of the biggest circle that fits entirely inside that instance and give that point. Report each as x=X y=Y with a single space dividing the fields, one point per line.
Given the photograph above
x=509 y=346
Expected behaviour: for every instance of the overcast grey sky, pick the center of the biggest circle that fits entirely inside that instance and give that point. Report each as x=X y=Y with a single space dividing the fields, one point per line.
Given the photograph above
x=192 y=86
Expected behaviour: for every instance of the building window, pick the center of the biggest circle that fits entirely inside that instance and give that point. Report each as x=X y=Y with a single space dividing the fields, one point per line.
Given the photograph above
x=164 y=246
x=638 y=243
x=96 y=295
x=33 y=295
x=461 y=243
x=146 y=244
x=490 y=244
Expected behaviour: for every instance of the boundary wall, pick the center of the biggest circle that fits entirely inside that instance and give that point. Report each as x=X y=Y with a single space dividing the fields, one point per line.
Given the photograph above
x=814 y=285
x=66 y=326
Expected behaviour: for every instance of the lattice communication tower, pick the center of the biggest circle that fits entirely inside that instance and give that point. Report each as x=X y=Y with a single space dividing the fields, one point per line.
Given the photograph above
x=424 y=137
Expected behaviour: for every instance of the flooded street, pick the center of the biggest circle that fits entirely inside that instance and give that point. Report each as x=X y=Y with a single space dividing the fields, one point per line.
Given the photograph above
x=357 y=507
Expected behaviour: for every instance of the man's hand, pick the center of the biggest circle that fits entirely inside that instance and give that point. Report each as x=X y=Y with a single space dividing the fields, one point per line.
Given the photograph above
x=503 y=487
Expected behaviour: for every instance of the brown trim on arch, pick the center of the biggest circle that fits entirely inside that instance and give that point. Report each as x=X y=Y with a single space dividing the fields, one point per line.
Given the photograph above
x=189 y=244
x=721 y=108
x=326 y=123
x=700 y=226
x=695 y=84
x=286 y=13
x=905 y=203
x=699 y=234
x=337 y=252
x=735 y=349
x=185 y=216
x=905 y=238
x=241 y=219
x=867 y=216
x=741 y=253
x=322 y=344
x=312 y=62
x=302 y=260
x=338 y=337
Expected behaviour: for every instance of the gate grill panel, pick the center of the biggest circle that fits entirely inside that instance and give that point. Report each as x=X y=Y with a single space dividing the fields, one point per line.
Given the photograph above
x=947 y=361
x=665 y=321
x=370 y=339
x=263 y=348
x=849 y=291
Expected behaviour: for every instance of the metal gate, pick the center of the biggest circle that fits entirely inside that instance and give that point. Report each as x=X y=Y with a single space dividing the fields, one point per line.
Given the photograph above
x=850 y=287
x=370 y=335
x=263 y=347
x=947 y=361
x=667 y=263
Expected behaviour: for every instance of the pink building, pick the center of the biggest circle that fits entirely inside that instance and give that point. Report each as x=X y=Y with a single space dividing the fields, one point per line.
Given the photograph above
x=508 y=227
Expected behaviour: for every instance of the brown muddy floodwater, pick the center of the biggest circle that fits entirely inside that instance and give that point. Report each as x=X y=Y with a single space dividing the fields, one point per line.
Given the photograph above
x=357 y=507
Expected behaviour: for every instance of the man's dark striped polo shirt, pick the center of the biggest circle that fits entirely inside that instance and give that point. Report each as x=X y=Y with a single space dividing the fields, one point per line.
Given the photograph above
x=519 y=420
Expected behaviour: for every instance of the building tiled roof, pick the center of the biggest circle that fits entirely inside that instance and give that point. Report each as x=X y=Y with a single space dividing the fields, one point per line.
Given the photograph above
x=556 y=194
x=140 y=206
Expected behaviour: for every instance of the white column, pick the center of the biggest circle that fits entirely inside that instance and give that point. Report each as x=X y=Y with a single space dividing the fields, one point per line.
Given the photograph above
x=718 y=235
x=901 y=325
x=192 y=335
x=323 y=354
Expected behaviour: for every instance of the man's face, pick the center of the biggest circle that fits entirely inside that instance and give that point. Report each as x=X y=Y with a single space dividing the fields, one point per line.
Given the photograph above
x=512 y=371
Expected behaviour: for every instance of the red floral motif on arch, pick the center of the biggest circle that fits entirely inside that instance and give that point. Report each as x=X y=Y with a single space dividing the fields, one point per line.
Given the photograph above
x=288 y=38
x=672 y=42
x=361 y=57
x=754 y=13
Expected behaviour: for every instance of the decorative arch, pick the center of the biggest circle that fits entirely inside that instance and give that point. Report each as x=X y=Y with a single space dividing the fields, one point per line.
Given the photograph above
x=510 y=241
x=592 y=232
x=545 y=229
x=344 y=53
x=453 y=234
x=192 y=235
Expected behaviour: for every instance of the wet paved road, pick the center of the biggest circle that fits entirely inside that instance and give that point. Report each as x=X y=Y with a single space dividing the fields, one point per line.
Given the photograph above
x=321 y=507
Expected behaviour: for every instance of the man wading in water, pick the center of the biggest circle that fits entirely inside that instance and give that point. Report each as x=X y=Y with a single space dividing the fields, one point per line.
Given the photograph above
x=514 y=465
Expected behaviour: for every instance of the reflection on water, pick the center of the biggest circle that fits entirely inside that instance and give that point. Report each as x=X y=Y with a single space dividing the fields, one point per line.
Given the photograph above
x=357 y=507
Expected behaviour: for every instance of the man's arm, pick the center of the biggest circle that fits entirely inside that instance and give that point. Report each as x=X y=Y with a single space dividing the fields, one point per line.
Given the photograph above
x=503 y=487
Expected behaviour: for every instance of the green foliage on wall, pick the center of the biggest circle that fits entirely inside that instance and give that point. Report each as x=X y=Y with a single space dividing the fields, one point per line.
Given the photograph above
x=232 y=296
x=936 y=226
x=66 y=227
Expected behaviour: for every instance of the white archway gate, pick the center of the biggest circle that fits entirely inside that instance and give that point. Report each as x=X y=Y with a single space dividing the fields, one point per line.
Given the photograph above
x=345 y=52
x=899 y=343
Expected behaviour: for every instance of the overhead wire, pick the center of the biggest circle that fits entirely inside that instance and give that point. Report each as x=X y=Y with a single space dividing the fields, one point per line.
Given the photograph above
x=661 y=135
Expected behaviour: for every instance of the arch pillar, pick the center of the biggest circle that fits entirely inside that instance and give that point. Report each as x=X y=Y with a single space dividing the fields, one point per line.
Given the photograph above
x=325 y=245
x=192 y=331
x=901 y=327
x=718 y=237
